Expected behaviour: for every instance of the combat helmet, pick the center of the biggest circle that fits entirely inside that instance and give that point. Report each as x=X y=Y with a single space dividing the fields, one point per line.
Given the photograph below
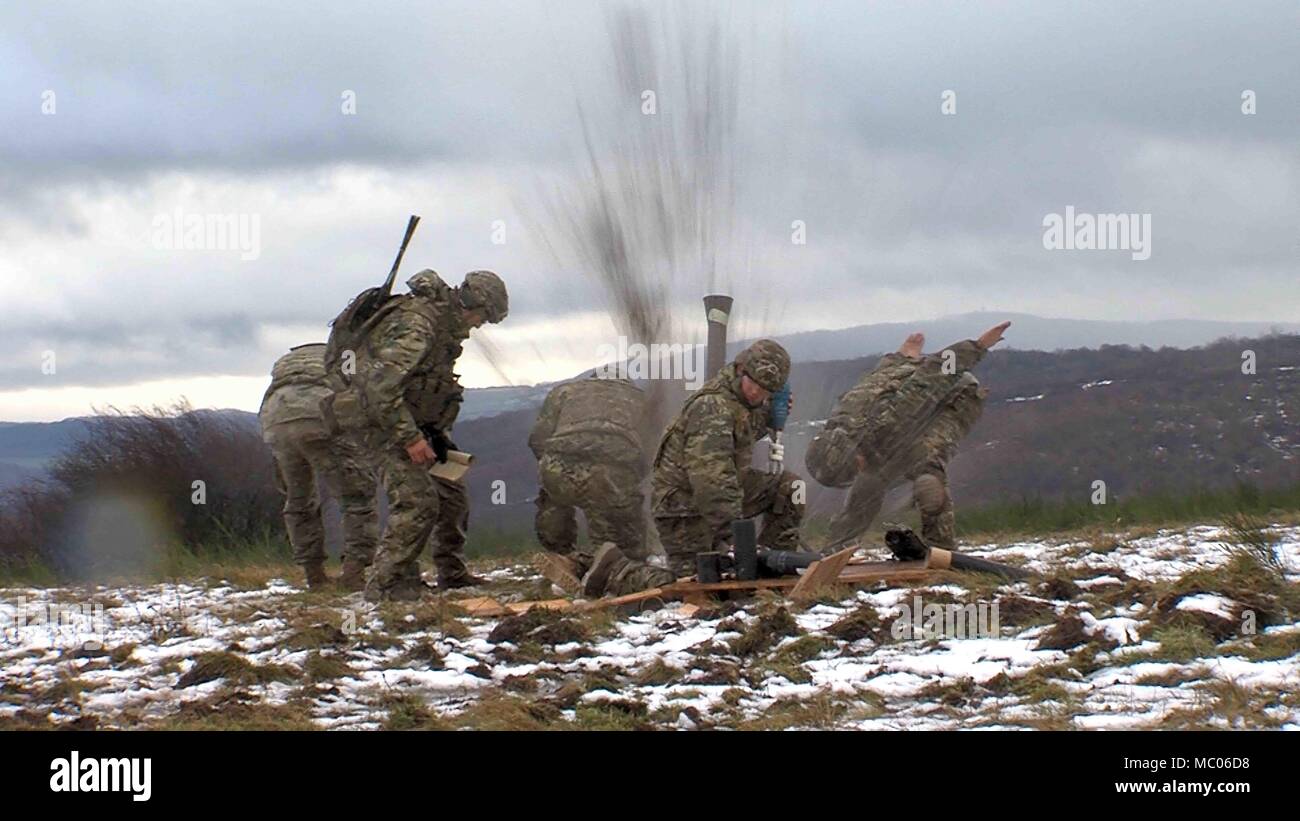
x=767 y=363
x=484 y=289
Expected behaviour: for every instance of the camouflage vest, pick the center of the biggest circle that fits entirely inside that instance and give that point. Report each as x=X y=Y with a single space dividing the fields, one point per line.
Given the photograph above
x=433 y=391
x=749 y=424
x=430 y=388
x=600 y=418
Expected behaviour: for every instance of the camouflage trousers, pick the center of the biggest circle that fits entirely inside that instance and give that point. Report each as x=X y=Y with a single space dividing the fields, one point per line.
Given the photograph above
x=926 y=467
x=772 y=496
x=929 y=496
x=627 y=576
x=302 y=467
x=609 y=495
x=421 y=509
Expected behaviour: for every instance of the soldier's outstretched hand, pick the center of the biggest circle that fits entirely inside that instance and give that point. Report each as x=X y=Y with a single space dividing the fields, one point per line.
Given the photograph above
x=993 y=335
x=913 y=345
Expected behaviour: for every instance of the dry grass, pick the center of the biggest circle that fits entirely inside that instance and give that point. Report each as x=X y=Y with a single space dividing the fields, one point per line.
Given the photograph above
x=822 y=711
x=234 y=669
x=409 y=712
x=234 y=709
x=499 y=710
x=1223 y=704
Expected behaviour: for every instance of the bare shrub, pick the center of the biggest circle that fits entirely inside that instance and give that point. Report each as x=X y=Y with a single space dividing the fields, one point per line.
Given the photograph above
x=141 y=483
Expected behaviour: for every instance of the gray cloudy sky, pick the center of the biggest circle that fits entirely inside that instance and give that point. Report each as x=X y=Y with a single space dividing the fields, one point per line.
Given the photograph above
x=465 y=114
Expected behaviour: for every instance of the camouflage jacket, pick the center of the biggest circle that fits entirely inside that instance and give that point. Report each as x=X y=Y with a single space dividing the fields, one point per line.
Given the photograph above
x=404 y=373
x=697 y=468
x=879 y=410
x=595 y=419
x=291 y=405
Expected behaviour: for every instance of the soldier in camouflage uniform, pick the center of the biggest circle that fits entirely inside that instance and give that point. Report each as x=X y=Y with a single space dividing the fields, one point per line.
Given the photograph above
x=703 y=479
x=902 y=422
x=590 y=456
x=401 y=403
x=305 y=458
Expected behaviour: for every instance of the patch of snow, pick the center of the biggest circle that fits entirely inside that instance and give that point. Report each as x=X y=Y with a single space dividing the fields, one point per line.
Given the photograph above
x=1208 y=603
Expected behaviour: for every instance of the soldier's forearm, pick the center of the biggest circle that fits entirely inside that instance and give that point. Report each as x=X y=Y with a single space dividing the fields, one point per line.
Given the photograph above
x=719 y=502
x=968 y=353
x=403 y=426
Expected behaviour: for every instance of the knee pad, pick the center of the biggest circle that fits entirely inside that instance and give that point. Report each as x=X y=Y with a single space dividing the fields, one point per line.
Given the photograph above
x=930 y=494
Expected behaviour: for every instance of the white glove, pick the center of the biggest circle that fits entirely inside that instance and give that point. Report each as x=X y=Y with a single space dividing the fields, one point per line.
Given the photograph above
x=776 y=452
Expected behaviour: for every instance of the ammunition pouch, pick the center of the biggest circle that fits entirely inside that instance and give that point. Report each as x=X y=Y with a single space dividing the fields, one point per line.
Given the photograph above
x=344 y=411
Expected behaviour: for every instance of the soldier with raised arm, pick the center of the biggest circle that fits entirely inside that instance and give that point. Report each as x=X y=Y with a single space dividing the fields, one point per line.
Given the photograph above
x=902 y=422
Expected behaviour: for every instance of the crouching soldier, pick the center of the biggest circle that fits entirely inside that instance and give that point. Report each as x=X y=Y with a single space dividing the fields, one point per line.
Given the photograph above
x=306 y=458
x=590 y=455
x=902 y=423
x=703 y=479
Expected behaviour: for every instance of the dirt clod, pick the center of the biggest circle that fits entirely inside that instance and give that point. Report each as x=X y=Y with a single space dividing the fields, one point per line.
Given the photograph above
x=1066 y=634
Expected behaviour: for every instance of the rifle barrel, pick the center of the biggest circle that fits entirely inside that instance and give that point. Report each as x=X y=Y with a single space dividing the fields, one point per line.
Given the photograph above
x=401 y=252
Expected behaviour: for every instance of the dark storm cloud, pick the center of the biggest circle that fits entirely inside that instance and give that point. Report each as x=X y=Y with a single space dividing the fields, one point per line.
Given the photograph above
x=109 y=352
x=241 y=85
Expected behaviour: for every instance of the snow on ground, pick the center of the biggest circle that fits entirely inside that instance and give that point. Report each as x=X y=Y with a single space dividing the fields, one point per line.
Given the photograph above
x=129 y=656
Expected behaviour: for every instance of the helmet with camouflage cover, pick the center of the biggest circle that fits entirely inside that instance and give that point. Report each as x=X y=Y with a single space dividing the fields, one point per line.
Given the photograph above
x=484 y=289
x=831 y=458
x=767 y=363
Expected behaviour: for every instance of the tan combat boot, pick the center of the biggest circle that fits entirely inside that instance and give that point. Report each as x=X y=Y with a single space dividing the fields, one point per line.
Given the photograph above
x=607 y=561
x=316 y=576
x=353 y=577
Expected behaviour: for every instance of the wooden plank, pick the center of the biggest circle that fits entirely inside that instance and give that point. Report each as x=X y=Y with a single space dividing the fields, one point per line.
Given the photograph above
x=482 y=606
x=883 y=571
x=681 y=588
x=694 y=592
x=633 y=598
x=821 y=573
x=546 y=604
x=559 y=571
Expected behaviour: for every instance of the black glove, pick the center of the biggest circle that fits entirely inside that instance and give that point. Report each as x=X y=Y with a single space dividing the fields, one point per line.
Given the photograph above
x=439 y=442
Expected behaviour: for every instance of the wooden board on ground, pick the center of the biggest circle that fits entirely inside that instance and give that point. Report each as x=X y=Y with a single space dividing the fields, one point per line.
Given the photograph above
x=482 y=606
x=694 y=593
x=883 y=571
x=855 y=574
x=631 y=598
x=820 y=574
x=546 y=604
x=559 y=571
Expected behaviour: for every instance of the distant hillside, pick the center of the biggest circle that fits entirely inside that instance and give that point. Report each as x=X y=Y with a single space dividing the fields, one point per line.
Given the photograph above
x=33 y=442
x=12 y=475
x=1028 y=332
x=484 y=402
